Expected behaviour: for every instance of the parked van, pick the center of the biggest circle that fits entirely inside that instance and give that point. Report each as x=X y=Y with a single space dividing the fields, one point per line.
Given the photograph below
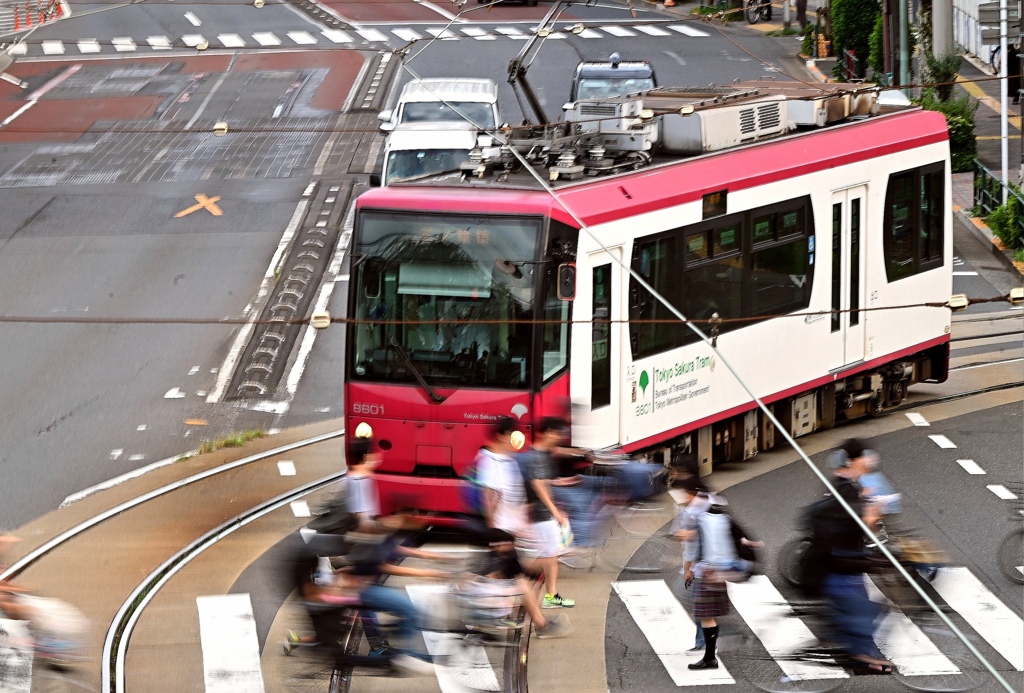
x=413 y=150
x=442 y=100
x=616 y=77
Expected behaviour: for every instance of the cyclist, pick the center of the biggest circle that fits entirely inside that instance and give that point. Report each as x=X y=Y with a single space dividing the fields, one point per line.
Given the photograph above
x=838 y=543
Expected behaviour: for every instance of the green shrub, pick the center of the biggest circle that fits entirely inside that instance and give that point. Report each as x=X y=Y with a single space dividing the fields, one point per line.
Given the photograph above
x=1005 y=222
x=876 y=54
x=959 y=113
x=852 y=24
x=810 y=39
x=941 y=73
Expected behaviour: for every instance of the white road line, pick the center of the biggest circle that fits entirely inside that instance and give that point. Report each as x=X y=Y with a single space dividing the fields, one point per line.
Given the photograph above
x=193 y=20
x=477 y=33
x=123 y=44
x=336 y=36
x=970 y=466
x=667 y=628
x=300 y=509
x=441 y=33
x=174 y=393
x=770 y=617
x=159 y=43
x=617 y=31
x=116 y=453
x=590 y=34
x=687 y=30
x=652 y=30
x=989 y=617
x=468 y=667
x=10 y=119
x=511 y=32
x=140 y=427
x=440 y=10
x=965 y=274
x=231 y=650
x=52 y=47
x=231 y=40
x=286 y=468
x=906 y=645
x=372 y=35
x=303 y=38
x=18 y=49
x=1002 y=492
x=192 y=40
x=407 y=34
x=17 y=656
x=265 y=38
x=943 y=442
x=917 y=419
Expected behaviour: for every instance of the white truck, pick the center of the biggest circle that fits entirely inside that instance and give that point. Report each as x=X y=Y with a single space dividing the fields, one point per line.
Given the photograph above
x=414 y=150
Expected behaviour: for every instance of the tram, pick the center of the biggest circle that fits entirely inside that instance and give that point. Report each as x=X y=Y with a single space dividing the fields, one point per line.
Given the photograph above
x=809 y=254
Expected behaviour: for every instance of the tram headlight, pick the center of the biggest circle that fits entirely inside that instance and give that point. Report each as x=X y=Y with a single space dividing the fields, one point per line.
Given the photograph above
x=517 y=439
x=364 y=430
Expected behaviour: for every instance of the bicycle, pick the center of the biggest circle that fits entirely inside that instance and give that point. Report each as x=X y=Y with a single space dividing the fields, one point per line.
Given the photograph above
x=1010 y=555
x=39 y=654
x=758 y=10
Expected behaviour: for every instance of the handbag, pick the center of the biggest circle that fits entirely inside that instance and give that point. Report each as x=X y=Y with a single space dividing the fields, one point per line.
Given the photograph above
x=565 y=536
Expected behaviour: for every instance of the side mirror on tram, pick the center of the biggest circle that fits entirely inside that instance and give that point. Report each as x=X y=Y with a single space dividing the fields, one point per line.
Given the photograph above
x=567 y=281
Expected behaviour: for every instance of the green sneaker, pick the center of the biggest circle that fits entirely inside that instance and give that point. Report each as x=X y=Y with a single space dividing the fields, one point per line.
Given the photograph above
x=292 y=641
x=555 y=601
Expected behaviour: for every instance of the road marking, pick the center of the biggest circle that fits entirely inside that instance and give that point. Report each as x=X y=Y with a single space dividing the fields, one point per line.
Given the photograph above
x=193 y=20
x=511 y=32
x=442 y=33
x=441 y=11
x=231 y=40
x=477 y=33
x=407 y=34
x=372 y=35
x=989 y=617
x=965 y=274
x=617 y=31
x=174 y=393
x=140 y=427
x=687 y=30
x=89 y=46
x=770 y=617
x=468 y=667
x=917 y=419
x=192 y=40
x=667 y=626
x=286 y=468
x=303 y=38
x=265 y=38
x=943 y=442
x=53 y=47
x=9 y=119
x=300 y=509
x=970 y=466
x=207 y=203
x=590 y=34
x=123 y=44
x=136 y=458
x=1002 y=492
x=116 y=453
x=906 y=645
x=231 y=650
x=652 y=30
x=193 y=370
x=17 y=656
x=336 y=36
x=159 y=43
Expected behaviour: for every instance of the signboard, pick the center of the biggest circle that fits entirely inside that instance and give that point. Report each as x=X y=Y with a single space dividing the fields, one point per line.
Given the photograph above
x=992 y=36
x=988 y=14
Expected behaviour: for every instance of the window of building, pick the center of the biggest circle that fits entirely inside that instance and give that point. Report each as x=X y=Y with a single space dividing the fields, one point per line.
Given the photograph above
x=914 y=221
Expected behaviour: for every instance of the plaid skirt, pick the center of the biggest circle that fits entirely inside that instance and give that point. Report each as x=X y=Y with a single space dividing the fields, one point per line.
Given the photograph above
x=710 y=598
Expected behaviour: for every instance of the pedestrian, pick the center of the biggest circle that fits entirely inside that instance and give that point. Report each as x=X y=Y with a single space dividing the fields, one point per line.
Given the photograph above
x=1013 y=70
x=547 y=522
x=801 y=13
x=838 y=542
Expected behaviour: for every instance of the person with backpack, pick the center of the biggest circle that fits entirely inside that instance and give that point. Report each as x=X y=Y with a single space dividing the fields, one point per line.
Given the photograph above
x=836 y=561
x=712 y=557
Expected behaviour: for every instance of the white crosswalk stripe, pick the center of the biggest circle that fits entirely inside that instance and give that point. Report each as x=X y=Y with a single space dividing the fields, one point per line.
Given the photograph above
x=441 y=33
x=265 y=38
x=303 y=38
x=906 y=645
x=511 y=32
x=617 y=31
x=651 y=30
x=372 y=35
x=123 y=44
x=89 y=46
x=192 y=40
x=231 y=650
x=231 y=40
x=477 y=33
x=53 y=47
x=590 y=34
x=337 y=36
x=687 y=30
x=159 y=43
x=407 y=34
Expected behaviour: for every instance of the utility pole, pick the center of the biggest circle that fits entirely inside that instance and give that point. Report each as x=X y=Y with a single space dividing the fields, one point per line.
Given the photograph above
x=905 y=48
x=1004 y=135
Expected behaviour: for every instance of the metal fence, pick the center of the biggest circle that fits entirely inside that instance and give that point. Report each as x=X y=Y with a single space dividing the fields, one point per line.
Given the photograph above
x=988 y=196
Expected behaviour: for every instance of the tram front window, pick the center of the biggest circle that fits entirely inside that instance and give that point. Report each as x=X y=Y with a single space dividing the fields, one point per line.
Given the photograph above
x=446 y=299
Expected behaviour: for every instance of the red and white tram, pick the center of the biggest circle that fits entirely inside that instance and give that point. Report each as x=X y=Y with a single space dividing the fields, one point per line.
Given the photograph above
x=455 y=294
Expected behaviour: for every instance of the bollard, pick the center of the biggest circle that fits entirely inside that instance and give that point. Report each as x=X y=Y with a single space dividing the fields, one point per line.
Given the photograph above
x=17 y=20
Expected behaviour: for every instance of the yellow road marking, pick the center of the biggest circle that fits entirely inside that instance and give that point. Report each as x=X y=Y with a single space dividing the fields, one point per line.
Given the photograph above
x=974 y=90
x=207 y=203
x=997 y=137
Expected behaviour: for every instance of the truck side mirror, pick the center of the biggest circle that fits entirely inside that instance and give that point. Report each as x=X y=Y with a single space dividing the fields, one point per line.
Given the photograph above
x=567 y=281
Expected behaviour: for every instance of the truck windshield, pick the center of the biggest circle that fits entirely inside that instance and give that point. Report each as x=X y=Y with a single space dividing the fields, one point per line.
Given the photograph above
x=454 y=292
x=599 y=87
x=415 y=163
x=479 y=113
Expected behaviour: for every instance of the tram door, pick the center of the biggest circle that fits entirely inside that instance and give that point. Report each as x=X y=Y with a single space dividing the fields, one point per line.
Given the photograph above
x=605 y=346
x=848 y=280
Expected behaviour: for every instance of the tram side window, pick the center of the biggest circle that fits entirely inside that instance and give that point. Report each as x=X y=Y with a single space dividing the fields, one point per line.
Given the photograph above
x=914 y=221
x=657 y=262
x=555 y=330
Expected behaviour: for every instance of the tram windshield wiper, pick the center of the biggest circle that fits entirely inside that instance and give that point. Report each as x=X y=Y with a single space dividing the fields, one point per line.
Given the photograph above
x=434 y=397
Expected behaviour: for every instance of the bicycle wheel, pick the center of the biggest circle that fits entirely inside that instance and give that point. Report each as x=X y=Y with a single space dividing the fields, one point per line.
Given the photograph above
x=961 y=673
x=641 y=520
x=1011 y=556
x=790 y=560
x=652 y=556
x=787 y=673
x=753 y=11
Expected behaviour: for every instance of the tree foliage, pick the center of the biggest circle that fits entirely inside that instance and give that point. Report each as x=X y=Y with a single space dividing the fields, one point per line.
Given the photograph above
x=852 y=24
x=959 y=113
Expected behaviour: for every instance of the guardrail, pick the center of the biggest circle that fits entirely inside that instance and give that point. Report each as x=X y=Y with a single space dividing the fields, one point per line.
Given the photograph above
x=988 y=196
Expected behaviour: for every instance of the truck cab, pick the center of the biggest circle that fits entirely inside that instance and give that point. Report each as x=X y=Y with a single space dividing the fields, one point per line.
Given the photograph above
x=414 y=150
x=443 y=101
x=616 y=77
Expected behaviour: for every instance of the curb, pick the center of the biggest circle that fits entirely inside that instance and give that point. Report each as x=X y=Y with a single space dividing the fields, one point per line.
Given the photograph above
x=984 y=234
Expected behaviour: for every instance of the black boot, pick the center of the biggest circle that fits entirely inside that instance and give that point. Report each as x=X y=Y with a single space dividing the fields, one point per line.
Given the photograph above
x=710 y=641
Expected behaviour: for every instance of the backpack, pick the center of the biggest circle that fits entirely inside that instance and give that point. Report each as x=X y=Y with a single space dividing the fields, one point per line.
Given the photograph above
x=471 y=491
x=814 y=561
x=334 y=515
x=743 y=552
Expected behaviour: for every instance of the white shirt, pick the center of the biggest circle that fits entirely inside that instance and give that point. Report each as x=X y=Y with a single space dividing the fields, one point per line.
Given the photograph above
x=501 y=474
x=362 y=495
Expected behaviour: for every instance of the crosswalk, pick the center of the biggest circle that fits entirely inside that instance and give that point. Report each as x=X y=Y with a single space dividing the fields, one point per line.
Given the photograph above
x=394 y=36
